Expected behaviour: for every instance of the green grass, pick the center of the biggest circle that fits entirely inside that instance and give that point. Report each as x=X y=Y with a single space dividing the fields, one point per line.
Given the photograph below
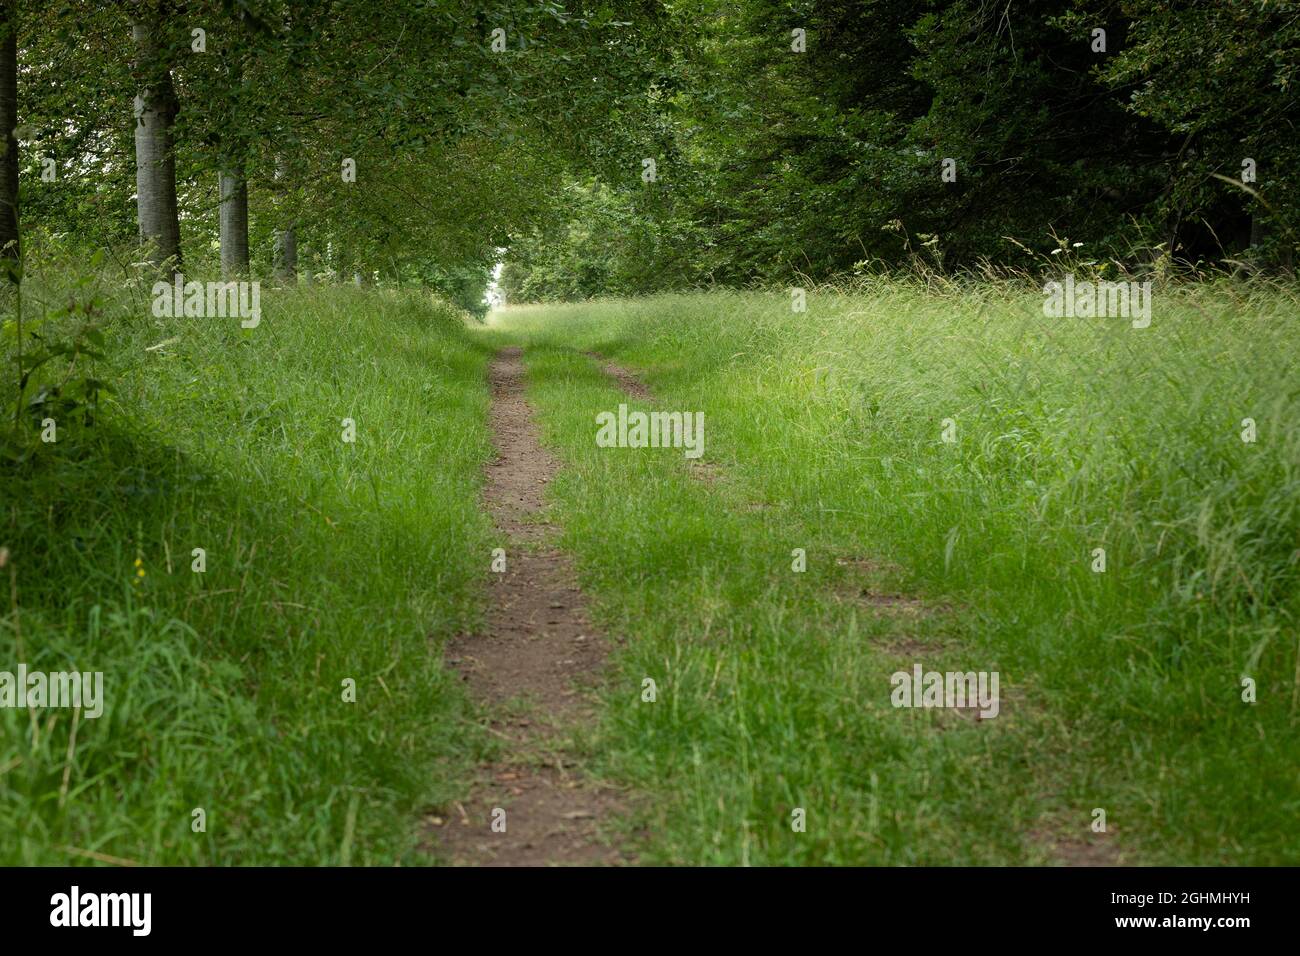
x=325 y=561
x=328 y=560
x=1071 y=435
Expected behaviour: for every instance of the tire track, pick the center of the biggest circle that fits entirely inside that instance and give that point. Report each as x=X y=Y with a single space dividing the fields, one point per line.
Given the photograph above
x=1065 y=842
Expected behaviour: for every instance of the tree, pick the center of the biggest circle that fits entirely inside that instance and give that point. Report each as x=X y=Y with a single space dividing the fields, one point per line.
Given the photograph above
x=155 y=158
x=286 y=237
x=9 y=240
x=234 y=223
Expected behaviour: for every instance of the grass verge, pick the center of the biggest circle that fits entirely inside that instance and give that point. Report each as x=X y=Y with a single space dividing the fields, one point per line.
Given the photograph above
x=326 y=561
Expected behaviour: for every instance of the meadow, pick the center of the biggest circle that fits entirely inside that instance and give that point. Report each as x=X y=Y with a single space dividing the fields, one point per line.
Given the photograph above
x=1162 y=689
x=947 y=459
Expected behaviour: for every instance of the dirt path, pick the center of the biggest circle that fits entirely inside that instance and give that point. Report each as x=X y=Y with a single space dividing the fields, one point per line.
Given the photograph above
x=534 y=666
x=626 y=379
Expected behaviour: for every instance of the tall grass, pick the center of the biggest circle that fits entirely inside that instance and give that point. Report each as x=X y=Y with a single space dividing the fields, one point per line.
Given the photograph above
x=326 y=561
x=1071 y=435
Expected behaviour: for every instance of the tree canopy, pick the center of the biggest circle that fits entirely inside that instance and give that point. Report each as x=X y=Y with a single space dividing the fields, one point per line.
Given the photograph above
x=618 y=147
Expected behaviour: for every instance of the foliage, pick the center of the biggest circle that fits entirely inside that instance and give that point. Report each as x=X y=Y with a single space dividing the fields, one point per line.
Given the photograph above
x=780 y=166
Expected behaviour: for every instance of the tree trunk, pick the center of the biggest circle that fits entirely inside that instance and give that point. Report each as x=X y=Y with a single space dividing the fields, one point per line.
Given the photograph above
x=155 y=160
x=9 y=251
x=286 y=255
x=286 y=239
x=234 y=225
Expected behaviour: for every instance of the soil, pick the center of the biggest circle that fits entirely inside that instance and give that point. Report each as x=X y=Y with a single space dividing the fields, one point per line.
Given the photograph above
x=535 y=667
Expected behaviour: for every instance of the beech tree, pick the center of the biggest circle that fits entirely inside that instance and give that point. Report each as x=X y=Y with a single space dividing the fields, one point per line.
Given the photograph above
x=155 y=158
x=9 y=244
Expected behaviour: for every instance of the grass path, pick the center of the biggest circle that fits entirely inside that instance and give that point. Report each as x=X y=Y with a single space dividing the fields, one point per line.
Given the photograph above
x=1060 y=845
x=268 y=541
x=762 y=703
x=1121 y=691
